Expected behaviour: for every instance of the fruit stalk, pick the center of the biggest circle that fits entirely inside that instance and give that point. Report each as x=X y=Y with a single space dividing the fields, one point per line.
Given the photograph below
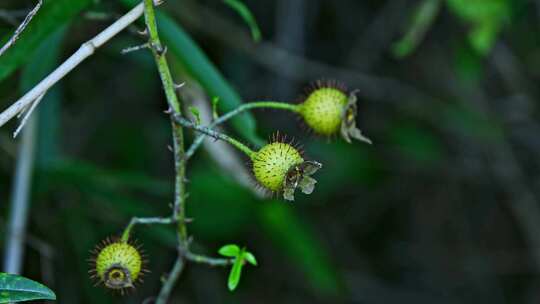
x=214 y=134
x=242 y=108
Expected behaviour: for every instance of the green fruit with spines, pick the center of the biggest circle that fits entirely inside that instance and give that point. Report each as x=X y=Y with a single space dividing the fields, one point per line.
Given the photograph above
x=322 y=108
x=271 y=163
x=117 y=264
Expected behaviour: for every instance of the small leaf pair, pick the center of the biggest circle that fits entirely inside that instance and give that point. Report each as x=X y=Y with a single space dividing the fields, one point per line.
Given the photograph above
x=241 y=256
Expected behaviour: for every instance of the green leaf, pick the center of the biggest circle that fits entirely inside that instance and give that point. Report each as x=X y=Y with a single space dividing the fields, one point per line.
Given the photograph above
x=215 y=102
x=423 y=18
x=236 y=272
x=230 y=250
x=483 y=36
x=250 y=258
x=195 y=113
x=199 y=66
x=14 y=288
x=480 y=10
x=51 y=16
x=246 y=14
x=486 y=19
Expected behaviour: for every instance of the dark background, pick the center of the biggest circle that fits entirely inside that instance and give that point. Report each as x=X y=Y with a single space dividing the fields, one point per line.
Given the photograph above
x=442 y=208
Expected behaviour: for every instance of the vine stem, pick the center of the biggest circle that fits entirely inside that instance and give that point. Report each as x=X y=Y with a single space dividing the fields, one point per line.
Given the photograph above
x=242 y=108
x=178 y=213
x=215 y=134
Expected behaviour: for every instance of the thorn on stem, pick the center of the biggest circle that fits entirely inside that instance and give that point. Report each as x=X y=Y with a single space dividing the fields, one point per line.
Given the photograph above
x=143 y=33
x=159 y=49
x=162 y=51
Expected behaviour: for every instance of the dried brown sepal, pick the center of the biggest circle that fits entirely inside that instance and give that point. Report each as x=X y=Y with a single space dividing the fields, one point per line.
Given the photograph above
x=348 y=123
x=299 y=176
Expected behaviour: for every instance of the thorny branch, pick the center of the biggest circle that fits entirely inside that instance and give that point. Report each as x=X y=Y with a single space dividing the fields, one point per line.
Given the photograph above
x=178 y=145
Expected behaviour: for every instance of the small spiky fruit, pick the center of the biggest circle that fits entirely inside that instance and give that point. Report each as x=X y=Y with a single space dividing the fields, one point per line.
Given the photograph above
x=271 y=163
x=322 y=109
x=280 y=168
x=118 y=265
x=328 y=109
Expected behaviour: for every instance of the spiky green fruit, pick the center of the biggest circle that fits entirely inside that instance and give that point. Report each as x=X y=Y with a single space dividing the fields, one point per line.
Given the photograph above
x=272 y=162
x=118 y=265
x=323 y=108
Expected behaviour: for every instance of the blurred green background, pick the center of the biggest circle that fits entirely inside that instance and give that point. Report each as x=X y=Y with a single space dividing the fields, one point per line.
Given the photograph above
x=442 y=208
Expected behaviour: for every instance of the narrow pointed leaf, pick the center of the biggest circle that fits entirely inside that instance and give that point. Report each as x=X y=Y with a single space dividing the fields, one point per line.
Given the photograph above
x=236 y=272
x=423 y=18
x=246 y=14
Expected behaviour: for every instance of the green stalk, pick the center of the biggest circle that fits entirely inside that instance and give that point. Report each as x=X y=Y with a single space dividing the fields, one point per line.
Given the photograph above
x=179 y=213
x=170 y=92
x=217 y=135
x=244 y=107
x=144 y=221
